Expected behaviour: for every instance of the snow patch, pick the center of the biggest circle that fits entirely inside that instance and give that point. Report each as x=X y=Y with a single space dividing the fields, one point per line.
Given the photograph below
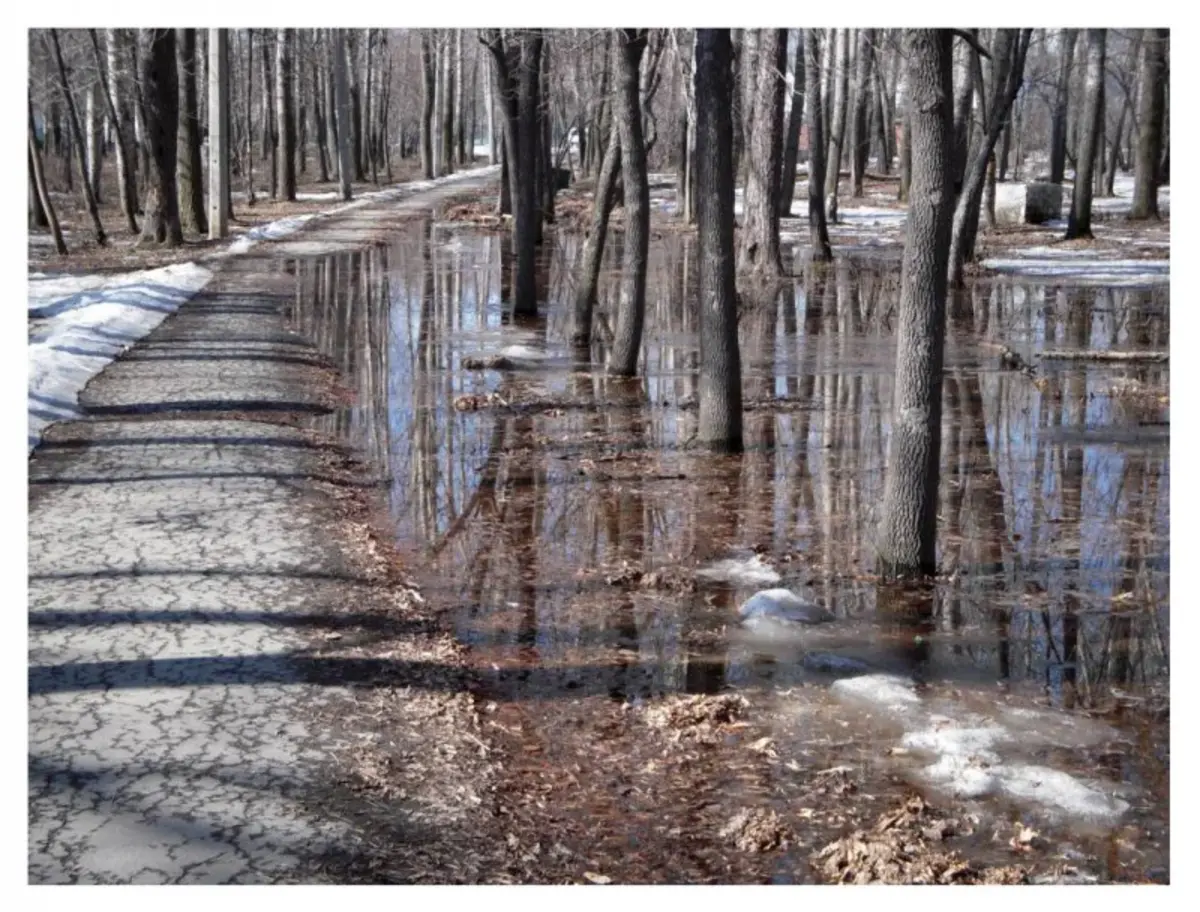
x=782 y=606
x=885 y=691
x=1085 y=270
x=751 y=571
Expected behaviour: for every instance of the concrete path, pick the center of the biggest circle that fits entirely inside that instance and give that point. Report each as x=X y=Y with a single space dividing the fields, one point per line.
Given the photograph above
x=181 y=549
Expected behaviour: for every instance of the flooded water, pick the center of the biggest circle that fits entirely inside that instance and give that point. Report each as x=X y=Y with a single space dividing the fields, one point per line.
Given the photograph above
x=559 y=518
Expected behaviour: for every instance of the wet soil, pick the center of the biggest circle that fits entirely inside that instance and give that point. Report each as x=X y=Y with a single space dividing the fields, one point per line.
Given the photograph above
x=637 y=734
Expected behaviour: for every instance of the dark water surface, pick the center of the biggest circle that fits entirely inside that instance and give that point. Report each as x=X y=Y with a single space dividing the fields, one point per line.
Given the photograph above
x=561 y=529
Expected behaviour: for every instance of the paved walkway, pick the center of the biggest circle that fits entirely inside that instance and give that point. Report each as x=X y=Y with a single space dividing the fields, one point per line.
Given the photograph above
x=179 y=548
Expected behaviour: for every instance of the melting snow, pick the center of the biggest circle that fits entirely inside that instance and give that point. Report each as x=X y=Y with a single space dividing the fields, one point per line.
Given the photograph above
x=751 y=571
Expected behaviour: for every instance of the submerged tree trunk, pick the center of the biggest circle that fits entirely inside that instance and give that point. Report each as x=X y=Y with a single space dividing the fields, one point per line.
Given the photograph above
x=908 y=533
x=818 y=230
x=1062 y=93
x=860 y=136
x=189 y=173
x=160 y=86
x=720 y=381
x=759 y=253
x=593 y=246
x=627 y=107
x=791 y=147
x=1079 y=222
x=64 y=89
x=39 y=183
x=1151 y=109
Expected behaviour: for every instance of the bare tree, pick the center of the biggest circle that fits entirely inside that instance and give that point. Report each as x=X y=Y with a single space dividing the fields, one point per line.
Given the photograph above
x=1079 y=222
x=39 y=182
x=1151 y=108
x=860 y=136
x=64 y=88
x=342 y=96
x=839 y=89
x=593 y=246
x=759 y=253
x=126 y=189
x=720 y=382
x=1066 y=39
x=219 y=122
x=160 y=87
x=908 y=533
x=791 y=140
x=284 y=117
x=818 y=230
x=92 y=136
x=188 y=171
x=427 y=95
x=627 y=336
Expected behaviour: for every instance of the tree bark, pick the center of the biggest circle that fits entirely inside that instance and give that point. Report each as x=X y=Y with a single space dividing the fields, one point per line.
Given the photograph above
x=64 y=89
x=1151 y=109
x=908 y=533
x=759 y=253
x=791 y=146
x=270 y=130
x=447 y=112
x=284 y=117
x=189 y=174
x=160 y=85
x=964 y=92
x=318 y=118
x=1079 y=222
x=1062 y=92
x=119 y=115
x=818 y=230
x=92 y=130
x=904 y=149
x=841 y=72
x=218 y=133
x=342 y=95
x=627 y=337
x=593 y=246
x=427 y=99
x=860 y=136
x=37 y=212
x=720 y=381
x=39 y=183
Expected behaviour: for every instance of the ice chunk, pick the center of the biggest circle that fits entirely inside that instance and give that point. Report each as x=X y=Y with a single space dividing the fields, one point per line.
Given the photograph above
x=886 y=691
x=1061 y=791
x=782 y=606
x=751 y=571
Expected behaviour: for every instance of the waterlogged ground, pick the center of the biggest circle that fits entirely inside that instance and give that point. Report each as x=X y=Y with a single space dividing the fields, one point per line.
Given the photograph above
x=594 y=563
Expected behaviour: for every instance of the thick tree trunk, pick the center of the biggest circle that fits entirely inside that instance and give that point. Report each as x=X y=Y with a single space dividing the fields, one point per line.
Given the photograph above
x=160 y=85
x=269 y=127
x=504 y=197
x=39 y=183
x=342 y=100
x=627 y=336
x=447 y=124
x=460 y=148
x=356 y=134
x=64 y=89
x=284 y=117
x=1151 y=109
x=964 y=92
x=427 y=98
x=860 y=136
x=189 y=174
x=840 y=73
x=1079 y=222
x=904 y=145
x=219 y=138
x=118 y=114
x=331 y=104
x=318 y=119
x=908 y=533
x=720 y=381
x=759 y=252
x=1062 y=93
x=791 y=145
x=593 y=246
x=818 y=230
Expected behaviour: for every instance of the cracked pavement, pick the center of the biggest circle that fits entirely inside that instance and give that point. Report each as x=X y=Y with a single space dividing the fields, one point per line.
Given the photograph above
x=181 y=547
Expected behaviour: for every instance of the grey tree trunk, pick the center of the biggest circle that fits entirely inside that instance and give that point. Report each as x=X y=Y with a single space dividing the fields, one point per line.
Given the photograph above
x=627 y=108
x=447 y=111
x=318 y=118
x=964 y=92
x=460 y=148
x=908 y=532
x=64 y=89
x=118 y=114
x=840 y=87
x=759 y=253
x=504 y=197
x=860 y=136
x=37 y=212
x=1079 y=222
x=342 y=96
x=818 y=230
x=490 y=109
x=593 y=246
x=904 y=146
x=720 y=381
x=218 y=133
x=92 y=130
x=427 y=98
x=249 y=113
x=39 y=182
x=284 y=117
x=160 y=87
x=331 y=104
x=1151 y=110
x=270 y=131
x=791 y=146
x=188 y=169
x=1062 y=93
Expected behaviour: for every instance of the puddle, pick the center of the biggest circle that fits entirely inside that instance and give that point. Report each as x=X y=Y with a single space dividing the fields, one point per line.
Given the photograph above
x=595 y=564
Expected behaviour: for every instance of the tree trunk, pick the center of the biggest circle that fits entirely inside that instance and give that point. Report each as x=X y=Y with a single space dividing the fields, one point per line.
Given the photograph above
x=759 y=253
x=593 y=246
x=64 y=89
x=504 y=198
x=160 y=85
x=1062 y=94
x=270 y=129
x=818 y=231
x=1151 y=109
x=908 y=533
x=490 y=110
x=218 y=133
x=332 y=43
x=342 y=95
x=118 y=114
x=92 y=121
x=904 y=150
x=37 y=212
x=39 y=183
x=860 y=136
x=841 y=73
x=791 y=146
x=447 y=112
x=460 y=149
x=284 y=117
x=720 y=381
x=318 y=118
x=355 y=122
x=964 y=91
x=627 y=336
x=1079 y=223
x=189 y=174
x=249 y=111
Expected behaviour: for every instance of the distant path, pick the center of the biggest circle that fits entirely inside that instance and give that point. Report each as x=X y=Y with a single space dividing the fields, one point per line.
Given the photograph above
x=181 y=543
